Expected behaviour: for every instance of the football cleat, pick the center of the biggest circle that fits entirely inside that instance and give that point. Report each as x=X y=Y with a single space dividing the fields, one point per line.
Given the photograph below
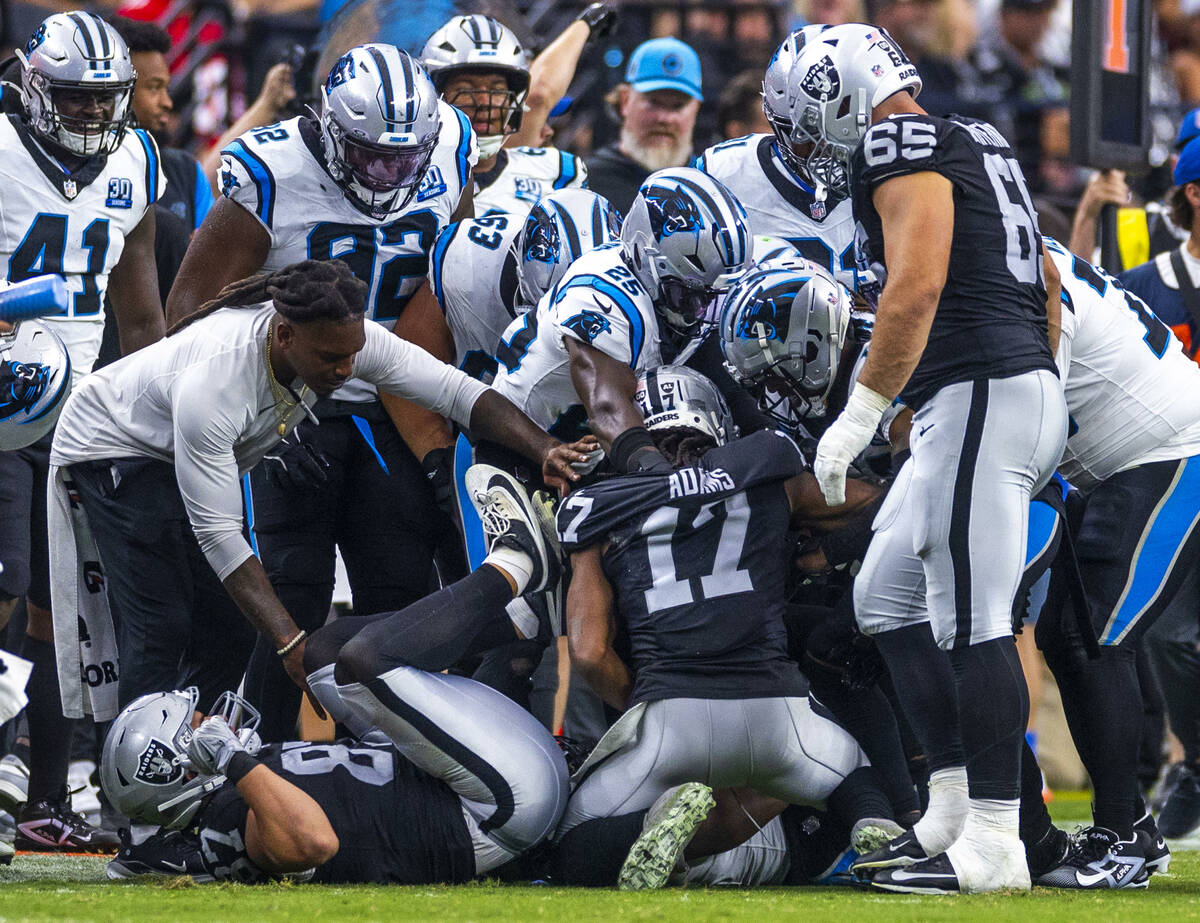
x=1180 y=813
x=510 y=519
x=14 y=784
x=872 y=833
x=163 y=854
x=929 y=876
x=51 y=826
x=669 y=826
x=1098 y=860
x=1158 y=857
x=7 y=851
x=900 y=852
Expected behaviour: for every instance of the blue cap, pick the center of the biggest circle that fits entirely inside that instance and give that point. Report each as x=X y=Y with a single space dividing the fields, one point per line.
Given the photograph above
x=1187 y=167
x=1188 y=128
x=664 y=64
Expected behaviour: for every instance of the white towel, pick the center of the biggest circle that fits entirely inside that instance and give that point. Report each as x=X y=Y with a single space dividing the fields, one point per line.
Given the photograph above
x=85 y=641
x=14 y=674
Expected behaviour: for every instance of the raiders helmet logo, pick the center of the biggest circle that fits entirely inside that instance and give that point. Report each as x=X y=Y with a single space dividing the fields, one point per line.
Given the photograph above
x=822 y=82
x=588 y=324
x=157 y=766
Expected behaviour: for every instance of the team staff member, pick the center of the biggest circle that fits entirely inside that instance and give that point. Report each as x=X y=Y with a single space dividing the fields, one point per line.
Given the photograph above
x=155 y=454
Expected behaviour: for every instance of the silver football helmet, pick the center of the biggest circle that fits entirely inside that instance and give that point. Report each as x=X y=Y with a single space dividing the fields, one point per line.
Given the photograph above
x=687 y=239
x=379 y=127
x=774 y=94
x=560 y=228
x=144 y=769
x=35 y=379
x=674 y=396
x=838 y=78
x=783 y=328
x=69 y=58
x=480 y=44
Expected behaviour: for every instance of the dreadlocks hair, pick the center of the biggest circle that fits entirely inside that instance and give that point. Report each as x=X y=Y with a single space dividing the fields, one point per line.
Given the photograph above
x=304 y=292
x=682 y=445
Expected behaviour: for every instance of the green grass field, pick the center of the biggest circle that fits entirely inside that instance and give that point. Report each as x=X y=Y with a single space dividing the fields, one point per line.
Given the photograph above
x=74 y=888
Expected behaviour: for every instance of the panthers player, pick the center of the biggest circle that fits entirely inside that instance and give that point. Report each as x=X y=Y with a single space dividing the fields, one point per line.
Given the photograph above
x=961 y=334
x=773 y=184
x=479 y=66
x=77 y=189
x=371 y=182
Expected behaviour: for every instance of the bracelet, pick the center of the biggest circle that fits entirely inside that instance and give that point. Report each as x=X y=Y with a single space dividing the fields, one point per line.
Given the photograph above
x=238 y=766
x=291 y=645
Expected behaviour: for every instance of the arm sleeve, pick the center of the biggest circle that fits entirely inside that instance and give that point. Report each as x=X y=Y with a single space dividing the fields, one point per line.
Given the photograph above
x=202 y=199
x=399 y=367
x=207 y=472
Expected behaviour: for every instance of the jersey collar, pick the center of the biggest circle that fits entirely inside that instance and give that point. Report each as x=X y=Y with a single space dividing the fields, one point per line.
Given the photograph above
x=794 y=190
x=69 y=184
x=483 y=180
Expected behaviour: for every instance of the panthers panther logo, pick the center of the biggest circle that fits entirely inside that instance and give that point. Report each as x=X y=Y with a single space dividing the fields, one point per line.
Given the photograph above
x=822 y=82
x=22 y=385
x=767 y=319
x=541 y=237
x=157 y=766
x=588 y=324
x=672 y=211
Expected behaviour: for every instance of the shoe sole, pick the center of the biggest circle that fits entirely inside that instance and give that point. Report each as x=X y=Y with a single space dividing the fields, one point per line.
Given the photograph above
x=117 y=871
x=911 y=889
x=477 y=479
x=653 y=855
x=11 y=797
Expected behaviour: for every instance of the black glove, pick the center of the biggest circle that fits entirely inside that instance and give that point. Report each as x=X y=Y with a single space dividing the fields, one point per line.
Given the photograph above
x=600 y=18
x=439 y=469
x=295 y=465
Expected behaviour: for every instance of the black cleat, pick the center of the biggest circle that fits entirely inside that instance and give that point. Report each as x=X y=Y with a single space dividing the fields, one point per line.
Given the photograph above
x=51 y=826
x=1158 y=857
x=1180 y=814
x=165 y=854
x=904 y=850
x=511 y=519
x=930 y=876
x=1099 y=861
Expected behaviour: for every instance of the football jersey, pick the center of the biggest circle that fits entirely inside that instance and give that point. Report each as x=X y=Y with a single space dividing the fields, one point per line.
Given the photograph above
x=522 y=175
x=73 y=225
x=598 y=302
x=991 y=316
x=277 y=174
x=395 y=824
x=779 y=204
x=1132 y=392
x=698 y=561
x=473 y=274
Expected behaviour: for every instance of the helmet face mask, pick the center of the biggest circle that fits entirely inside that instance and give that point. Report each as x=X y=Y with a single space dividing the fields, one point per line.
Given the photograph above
x=77 y=83
x=774 y=93
x=677 y=397
x=559 y=229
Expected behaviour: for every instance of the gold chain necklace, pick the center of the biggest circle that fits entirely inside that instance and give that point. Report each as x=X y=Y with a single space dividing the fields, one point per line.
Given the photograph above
x=277 y=390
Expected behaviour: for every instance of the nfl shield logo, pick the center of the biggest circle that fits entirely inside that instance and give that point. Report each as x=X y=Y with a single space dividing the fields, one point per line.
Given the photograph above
x=69 y=189
x=877 y=70
x=817 y=210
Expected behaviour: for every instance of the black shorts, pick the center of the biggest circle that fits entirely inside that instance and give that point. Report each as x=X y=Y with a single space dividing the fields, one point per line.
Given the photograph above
x=23 y=545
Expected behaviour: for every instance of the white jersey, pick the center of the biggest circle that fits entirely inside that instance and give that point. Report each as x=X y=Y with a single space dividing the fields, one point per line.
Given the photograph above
x=202 y=400
x=522 y=175
x=73 y=225
x=1132 y=392
x=781 y=205
x=278 y=175
x=598 y=302
x=473 y=274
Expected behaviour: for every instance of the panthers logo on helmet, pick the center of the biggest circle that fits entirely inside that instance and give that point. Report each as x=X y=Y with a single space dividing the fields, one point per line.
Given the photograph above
x=588 y=324
x=21 y=386
x=767 y=319
x=36 y=39
x=342 y=71
x=541 y=237
x=822 y=82
x=157 y=766
x=672 y=211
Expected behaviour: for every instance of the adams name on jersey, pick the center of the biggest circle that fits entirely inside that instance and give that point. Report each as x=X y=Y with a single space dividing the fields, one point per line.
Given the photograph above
x=522 y=175
x=73 y=225
x=991 y=316
x=779 y=204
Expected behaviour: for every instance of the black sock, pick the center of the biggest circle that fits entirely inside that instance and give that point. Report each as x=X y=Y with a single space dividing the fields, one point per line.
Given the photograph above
x=924 y=684
x=993 y=710
x=592 y=853
x=1035 y=819
x=49 y=731
x=857 y=796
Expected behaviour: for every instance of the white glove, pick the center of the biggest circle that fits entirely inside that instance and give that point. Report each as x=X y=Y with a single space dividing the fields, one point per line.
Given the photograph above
x=849 y=434
x=213 y=745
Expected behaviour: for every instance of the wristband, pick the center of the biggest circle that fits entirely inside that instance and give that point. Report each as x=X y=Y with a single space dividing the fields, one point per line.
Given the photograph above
x=634 y=450
x=291 y=645
x=239 y=765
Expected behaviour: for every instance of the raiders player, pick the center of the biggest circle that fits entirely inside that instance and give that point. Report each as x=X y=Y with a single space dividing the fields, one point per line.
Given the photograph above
x=479 y=66
x=371 y=182
x=774 y=186
x=77 y=189
x=961 y=335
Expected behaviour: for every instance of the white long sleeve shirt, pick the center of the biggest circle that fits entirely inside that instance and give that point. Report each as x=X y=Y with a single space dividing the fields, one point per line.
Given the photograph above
x=201 y=399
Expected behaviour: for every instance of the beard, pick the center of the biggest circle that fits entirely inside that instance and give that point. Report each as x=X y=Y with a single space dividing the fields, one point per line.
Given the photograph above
x=657 y=151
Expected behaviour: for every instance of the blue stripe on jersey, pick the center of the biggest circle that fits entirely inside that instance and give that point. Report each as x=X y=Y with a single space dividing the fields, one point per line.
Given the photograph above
x=566 y=169
x=1164 y=536
x=439 y=259
x=151 y=165
x=264 y=180
x=248 y=502
x=464 y=147
x=365 y=429
x=637 y=330
x=202 y=197
x=1043 y=518
x=464 y=457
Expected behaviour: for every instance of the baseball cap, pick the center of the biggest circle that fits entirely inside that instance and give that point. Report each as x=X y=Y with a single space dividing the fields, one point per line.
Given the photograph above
x=1188 y=128
x=664 y=64
x=1187 y=168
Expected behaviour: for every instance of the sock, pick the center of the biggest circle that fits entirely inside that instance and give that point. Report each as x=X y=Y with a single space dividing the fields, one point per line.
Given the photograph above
x=859 y=796
x=49 y=731
x=517 y=564
x=993 y=710
x=1035 y=819
x=942 y=822
x=993 y=815
x=322 y=684
x=591 y=854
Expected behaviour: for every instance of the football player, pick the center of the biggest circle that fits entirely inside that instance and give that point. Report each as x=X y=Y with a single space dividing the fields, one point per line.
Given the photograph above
x=371 y=182
x=773 y=183
x=77 y=190
x=961 y=335
x=479 y=66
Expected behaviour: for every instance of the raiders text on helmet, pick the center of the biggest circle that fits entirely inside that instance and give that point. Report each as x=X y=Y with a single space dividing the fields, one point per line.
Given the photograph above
x=674 y=396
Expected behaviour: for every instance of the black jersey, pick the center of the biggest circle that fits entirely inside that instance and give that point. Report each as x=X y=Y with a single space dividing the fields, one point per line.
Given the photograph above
x=698 y=560
x=395 y=823
x=991 y=318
